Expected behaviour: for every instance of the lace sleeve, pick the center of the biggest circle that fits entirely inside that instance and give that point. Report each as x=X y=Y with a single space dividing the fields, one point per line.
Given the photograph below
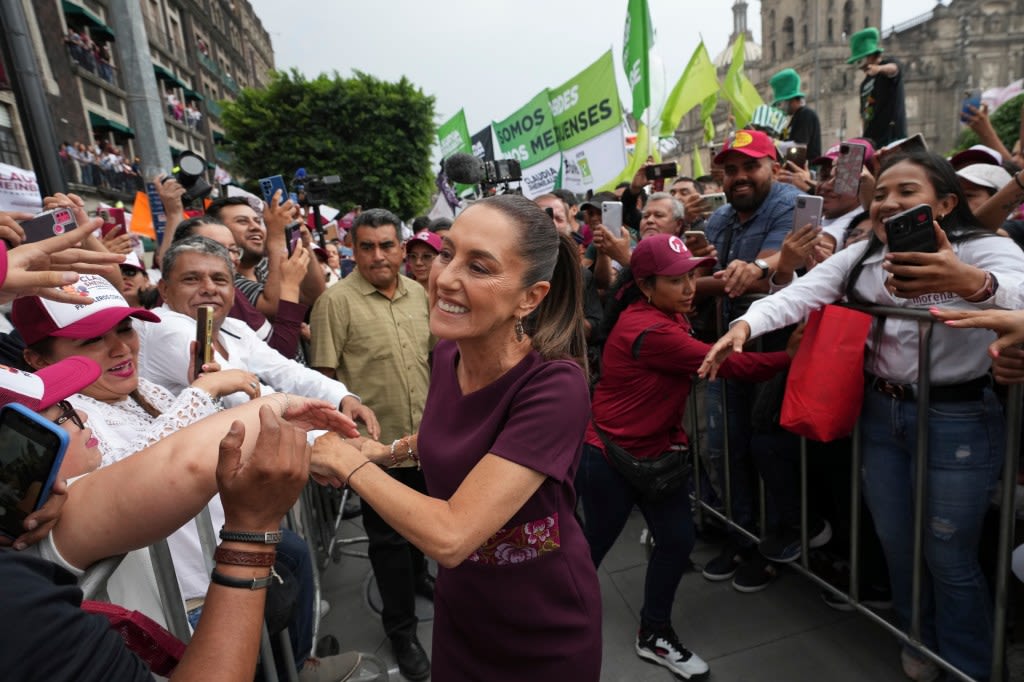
x=190 y=406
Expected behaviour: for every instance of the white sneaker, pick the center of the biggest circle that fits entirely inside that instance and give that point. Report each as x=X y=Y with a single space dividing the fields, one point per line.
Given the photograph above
x=325 y=608
x=664 y=648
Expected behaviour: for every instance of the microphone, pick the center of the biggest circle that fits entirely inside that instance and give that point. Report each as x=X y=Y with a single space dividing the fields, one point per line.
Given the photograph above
x=464 y=168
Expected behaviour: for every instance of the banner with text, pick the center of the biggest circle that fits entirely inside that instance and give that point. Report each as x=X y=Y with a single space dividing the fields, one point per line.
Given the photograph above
x=483 y=144
x=453 y=136
x=19 y=190
x=528 y=136
x=588 y=126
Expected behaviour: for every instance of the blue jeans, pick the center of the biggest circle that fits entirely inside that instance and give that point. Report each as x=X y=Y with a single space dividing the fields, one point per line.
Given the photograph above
x=964 y=461
x=607 y=501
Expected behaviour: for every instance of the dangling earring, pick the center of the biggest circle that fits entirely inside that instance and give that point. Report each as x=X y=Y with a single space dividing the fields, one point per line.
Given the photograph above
x=520 y=332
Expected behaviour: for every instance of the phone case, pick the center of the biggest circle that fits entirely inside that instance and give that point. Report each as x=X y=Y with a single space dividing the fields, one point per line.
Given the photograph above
x=912 y=230
x=204 y=337
x=848 y=166
x=27 y=477
x=269 y=187
x=49 y=224
x=611 y=216
x=807 y=210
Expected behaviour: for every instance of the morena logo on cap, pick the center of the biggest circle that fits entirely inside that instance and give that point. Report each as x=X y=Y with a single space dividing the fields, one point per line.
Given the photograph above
x=743 y=138
x=676 y=244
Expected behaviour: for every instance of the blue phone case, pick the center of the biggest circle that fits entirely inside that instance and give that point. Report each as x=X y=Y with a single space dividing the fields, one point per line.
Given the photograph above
x=269 y=187
x=11 y=518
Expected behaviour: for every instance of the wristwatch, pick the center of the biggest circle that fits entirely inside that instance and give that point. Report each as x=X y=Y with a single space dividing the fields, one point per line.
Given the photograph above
x=268 y=538
x=765 y=268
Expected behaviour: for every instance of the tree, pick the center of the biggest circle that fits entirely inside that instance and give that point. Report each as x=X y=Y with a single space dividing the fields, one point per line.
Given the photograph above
x=376 y=136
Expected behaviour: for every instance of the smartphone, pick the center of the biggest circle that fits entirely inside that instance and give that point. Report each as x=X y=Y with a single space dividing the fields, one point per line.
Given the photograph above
x=807 y=211
x=204 y=337
x=848 y=168
x=972 y=98
x=49 y=224
x=292 y=235
x=31 y=451
x=914 y=143
x=270 y=186
x=113 y=221
x=797 y=154
x=611 y=217
x=661 y=170
x=716 y=200
x=699 y=238
x=912 y=230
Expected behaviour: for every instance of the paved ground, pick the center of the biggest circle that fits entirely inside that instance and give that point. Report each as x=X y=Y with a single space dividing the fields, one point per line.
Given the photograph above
x=785 y=633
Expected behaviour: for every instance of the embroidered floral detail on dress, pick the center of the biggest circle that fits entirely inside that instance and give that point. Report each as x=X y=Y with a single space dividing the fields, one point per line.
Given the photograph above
x=519 y=544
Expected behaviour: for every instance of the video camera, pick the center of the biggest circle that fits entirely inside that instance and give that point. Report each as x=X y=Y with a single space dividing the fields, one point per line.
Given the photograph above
x=190 y=171
x=312 y=190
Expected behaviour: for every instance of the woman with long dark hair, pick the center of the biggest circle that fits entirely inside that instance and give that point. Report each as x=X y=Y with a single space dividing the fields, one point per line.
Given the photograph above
x=971 y=269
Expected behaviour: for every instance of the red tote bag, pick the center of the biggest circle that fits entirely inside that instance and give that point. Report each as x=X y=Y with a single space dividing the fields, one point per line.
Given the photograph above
x=825 y=387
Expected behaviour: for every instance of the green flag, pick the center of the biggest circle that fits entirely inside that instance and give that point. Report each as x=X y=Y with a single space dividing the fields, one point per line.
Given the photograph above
x=637 y=160
x=698 y=165
x=637 y=40
x=738 y=89
x=707 y=110
x=698 y=82
x=453 y=136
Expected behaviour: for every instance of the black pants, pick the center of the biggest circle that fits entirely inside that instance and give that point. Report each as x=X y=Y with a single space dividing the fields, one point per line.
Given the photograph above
x=396 y=562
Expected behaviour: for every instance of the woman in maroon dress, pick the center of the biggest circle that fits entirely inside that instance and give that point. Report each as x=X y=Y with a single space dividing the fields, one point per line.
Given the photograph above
x=517 y=595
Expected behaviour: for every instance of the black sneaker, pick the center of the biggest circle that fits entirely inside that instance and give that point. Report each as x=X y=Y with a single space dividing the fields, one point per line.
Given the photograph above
x=784 y=546
x=663 y=648
x=754 y=575
x=723 y=566
x=872 y=597
x=412 y=659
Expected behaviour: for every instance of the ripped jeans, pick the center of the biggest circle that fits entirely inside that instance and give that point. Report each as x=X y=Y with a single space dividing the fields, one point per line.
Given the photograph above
x=964 y=462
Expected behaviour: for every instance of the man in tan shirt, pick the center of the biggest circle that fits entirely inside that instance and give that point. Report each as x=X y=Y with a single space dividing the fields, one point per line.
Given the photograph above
x=372 y=328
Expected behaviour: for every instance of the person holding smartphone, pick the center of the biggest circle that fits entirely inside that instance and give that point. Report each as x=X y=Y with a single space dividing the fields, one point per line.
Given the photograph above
x=970 y=270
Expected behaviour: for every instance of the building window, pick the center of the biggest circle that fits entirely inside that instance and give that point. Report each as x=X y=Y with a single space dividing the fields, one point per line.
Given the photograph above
x=847 y=20
x=8 y=144
x=807 y=42
x=831 y=38
x=788 y=38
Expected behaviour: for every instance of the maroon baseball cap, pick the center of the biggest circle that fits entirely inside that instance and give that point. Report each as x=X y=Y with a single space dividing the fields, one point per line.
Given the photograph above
x=37 y=318
x=975 y=155
x=752 y=143
x=428 y=238
x=664 y=254
x=49 y=385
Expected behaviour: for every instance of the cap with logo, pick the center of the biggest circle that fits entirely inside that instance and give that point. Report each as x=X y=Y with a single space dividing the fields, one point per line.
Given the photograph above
x=37 y=318
x=752 y=143
x=664 y=254
x=427 y=237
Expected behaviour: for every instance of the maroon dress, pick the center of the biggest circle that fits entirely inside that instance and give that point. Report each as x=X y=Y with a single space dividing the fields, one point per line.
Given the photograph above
x=526 y=605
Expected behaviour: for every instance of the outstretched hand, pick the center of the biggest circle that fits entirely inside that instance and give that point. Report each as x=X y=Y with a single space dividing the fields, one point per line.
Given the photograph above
x=1007 y=356
x=731 y=342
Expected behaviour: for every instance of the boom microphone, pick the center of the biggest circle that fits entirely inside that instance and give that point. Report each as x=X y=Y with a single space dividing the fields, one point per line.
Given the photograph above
x=464 y=168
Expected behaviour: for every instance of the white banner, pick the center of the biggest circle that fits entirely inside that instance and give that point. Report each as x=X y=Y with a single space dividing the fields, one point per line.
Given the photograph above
x=541 y=177
x=595 y=162
x=19 y=190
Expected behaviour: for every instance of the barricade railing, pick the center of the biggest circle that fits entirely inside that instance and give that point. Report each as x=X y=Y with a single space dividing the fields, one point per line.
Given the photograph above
x=1013 y=406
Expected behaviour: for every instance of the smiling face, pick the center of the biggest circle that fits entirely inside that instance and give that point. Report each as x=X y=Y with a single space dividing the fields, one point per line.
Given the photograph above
x=83 y=453
x=747 y=181
x=199 y=279
x=476 y=284
x=116 y=352
x=902 y=186
x=246 y=226
x=134 y=280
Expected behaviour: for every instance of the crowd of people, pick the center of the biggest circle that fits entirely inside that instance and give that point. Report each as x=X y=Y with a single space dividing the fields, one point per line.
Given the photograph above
x=101 y=164
x=501 y=390
x=89 y=54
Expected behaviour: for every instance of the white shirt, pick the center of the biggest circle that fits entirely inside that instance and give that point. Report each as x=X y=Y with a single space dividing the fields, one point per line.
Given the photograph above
x=836 y=227
x=164 y=358
x=957 y=355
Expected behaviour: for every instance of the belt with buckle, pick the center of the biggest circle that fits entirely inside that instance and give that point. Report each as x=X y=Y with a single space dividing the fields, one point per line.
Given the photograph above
x=967 y=391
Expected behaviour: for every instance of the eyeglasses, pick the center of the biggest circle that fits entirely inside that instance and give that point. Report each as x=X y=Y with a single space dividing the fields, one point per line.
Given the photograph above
x=422 y=257
x=67 y=412
x=235 y=251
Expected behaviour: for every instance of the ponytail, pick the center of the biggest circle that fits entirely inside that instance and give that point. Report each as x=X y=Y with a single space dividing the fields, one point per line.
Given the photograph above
x=556 y=326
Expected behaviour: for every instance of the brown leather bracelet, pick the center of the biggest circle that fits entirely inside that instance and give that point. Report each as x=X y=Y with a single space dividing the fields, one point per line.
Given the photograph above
x=234 y=557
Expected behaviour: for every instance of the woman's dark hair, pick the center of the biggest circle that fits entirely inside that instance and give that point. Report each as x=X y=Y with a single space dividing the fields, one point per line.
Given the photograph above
x=556 y=325
x=624 y=292
x=960 y=225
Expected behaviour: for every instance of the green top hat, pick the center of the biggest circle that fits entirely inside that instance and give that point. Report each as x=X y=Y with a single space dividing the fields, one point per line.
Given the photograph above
x=863 y=43
x=785 y=85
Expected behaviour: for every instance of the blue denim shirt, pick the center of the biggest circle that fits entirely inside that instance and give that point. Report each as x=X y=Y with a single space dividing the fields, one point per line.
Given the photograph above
x=764 y=231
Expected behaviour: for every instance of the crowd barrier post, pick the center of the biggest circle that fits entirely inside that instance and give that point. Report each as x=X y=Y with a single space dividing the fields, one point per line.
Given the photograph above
x=170 y=594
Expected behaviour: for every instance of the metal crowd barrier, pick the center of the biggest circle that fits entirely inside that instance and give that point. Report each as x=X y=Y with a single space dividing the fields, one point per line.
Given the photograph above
x=1013 y=406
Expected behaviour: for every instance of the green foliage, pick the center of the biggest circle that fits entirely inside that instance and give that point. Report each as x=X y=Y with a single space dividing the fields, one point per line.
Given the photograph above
x=1005 y=120
x=376 y=136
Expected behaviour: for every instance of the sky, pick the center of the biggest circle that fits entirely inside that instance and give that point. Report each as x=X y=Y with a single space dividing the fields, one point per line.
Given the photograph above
x=491 y=57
